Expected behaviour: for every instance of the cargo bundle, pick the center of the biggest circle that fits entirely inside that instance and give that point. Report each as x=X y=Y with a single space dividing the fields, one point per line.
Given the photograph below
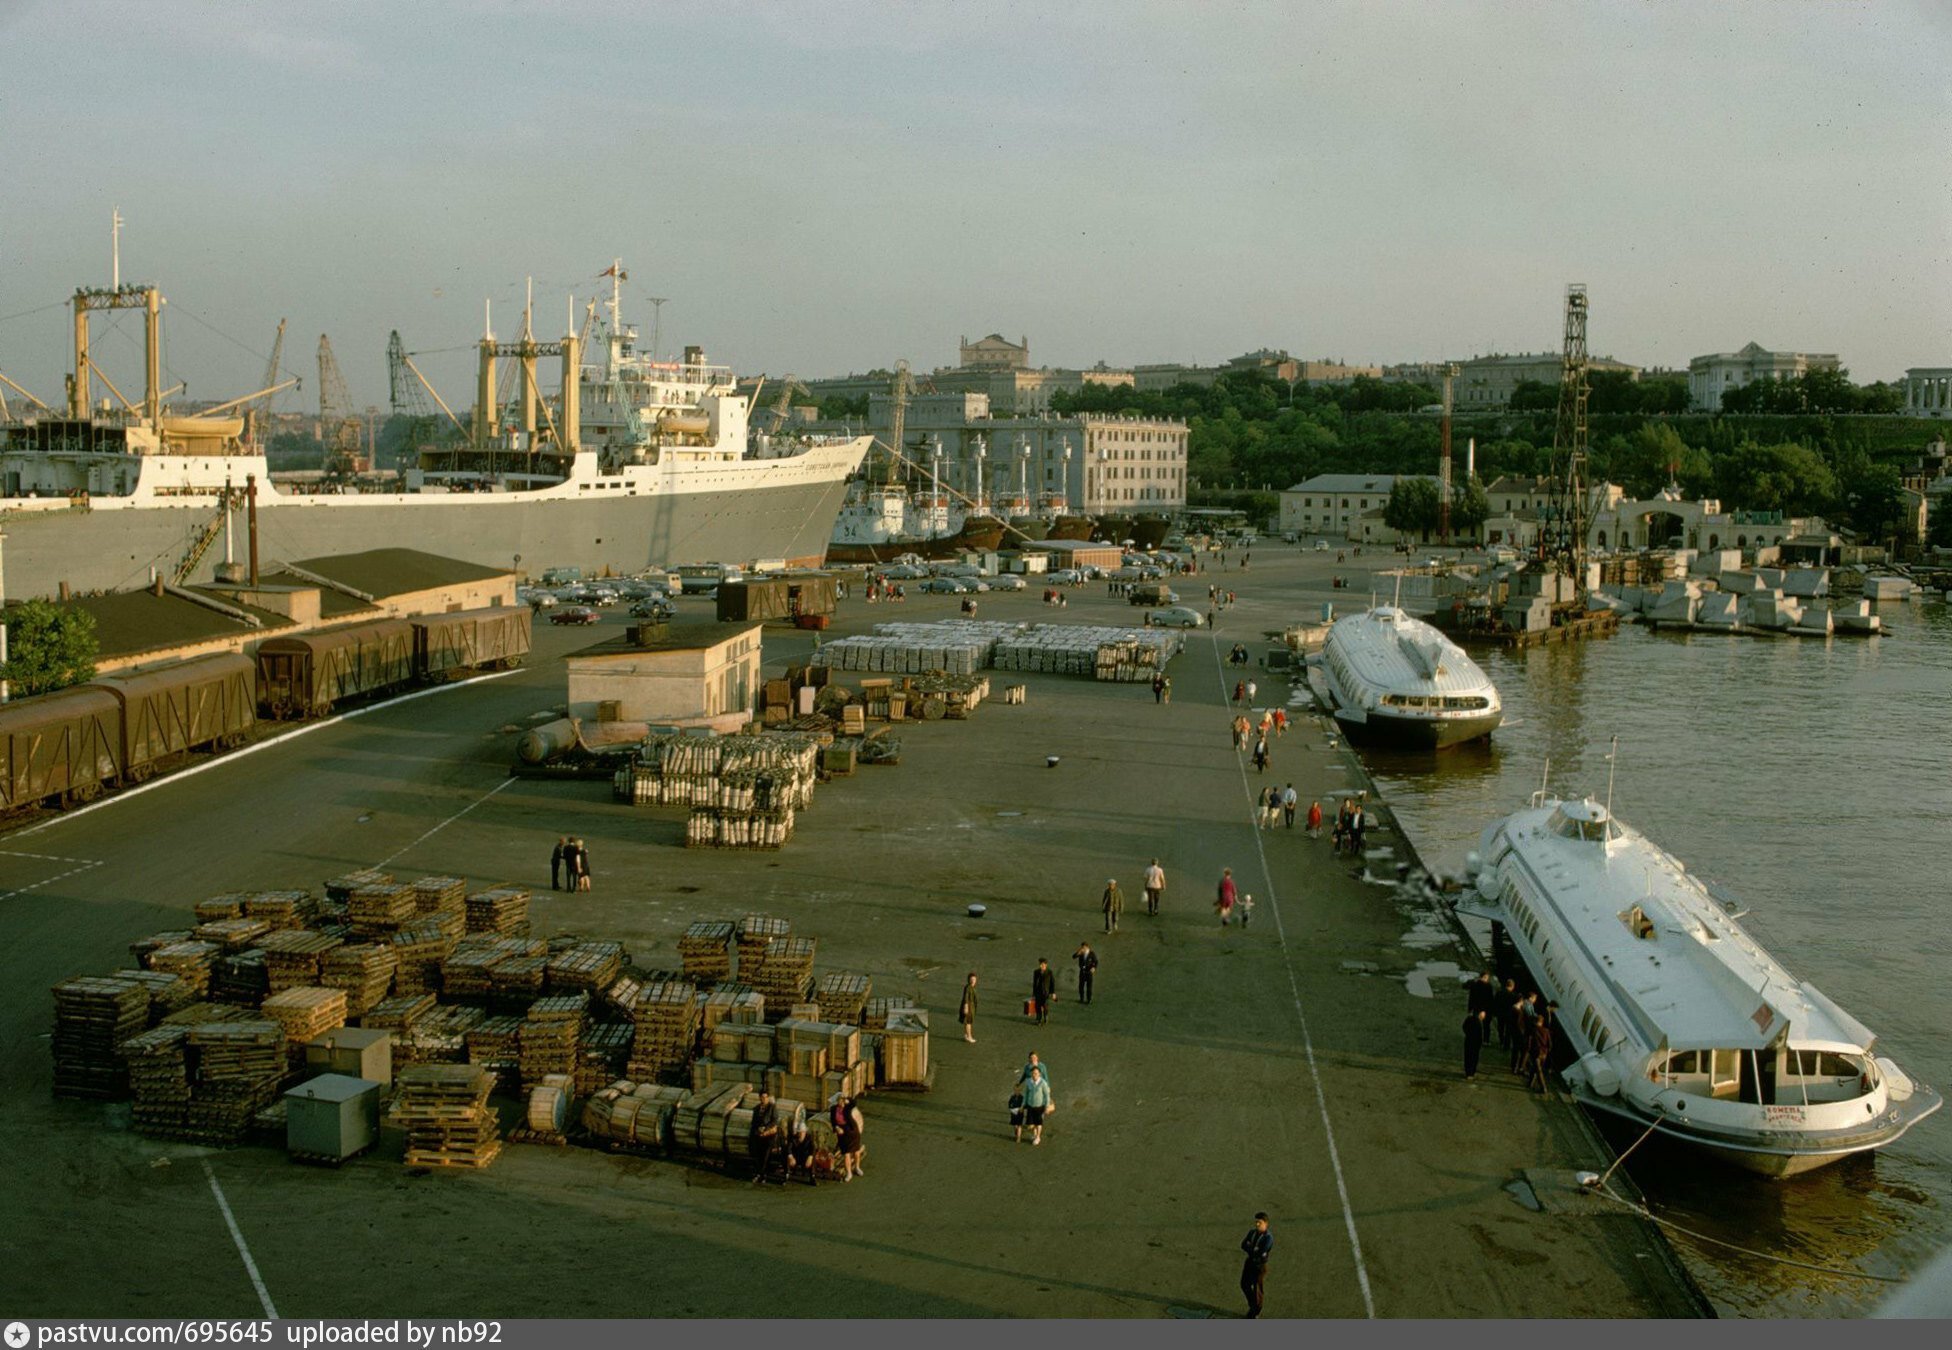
x=437 y=1036
x=495 y=1045
x=666 y=1020
x=502 y=910
x=291 y=957
x=706 y=951
x=444 y=1108
x=240 y=977
x=282 y=909
x=364 y=971
x=339 y=890
x=550 y=1035
x=93 y=1015
x=755 y=931
x=587 y=967
x=603 y=1055
x=234 y=934
x=1100 y=652
x=784 y=974
x=189 y=961
x=377 y=910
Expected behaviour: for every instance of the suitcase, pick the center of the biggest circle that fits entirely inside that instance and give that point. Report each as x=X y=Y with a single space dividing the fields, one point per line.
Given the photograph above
x=1030 y=1007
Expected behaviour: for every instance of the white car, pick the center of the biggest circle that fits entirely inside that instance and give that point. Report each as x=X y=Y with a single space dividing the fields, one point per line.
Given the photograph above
x=1007 y=583
x=1174 y=616
x=1321 y=545
x=1068 y=576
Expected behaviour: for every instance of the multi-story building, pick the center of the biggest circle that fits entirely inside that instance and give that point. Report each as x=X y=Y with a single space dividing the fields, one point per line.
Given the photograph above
x=1333 y=503
x=1485 y=383
x=1928 y=391
x=1710 y=377
x=994 y=352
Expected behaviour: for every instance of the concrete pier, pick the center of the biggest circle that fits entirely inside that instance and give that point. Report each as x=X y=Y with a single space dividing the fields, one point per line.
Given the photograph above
x=1309 y=1066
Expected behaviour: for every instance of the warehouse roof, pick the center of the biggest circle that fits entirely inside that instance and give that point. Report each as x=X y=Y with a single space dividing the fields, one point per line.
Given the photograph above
x=679 y=635
x=385 y=572
x=128 y=623
x=1354 y=482
x=332 y=604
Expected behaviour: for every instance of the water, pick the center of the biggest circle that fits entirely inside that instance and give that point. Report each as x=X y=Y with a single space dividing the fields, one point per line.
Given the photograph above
x=1813 y=781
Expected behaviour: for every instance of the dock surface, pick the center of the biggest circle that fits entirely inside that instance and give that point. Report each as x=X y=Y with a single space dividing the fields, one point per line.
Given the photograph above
x=1309 y=1066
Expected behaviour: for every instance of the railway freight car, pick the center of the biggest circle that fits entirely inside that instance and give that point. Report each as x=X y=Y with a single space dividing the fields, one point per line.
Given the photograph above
x=446 y=646
x=60 y=747
x=207 y=703
x=304 y=676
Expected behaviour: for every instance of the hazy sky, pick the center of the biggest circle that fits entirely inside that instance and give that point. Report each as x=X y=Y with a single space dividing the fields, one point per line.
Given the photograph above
x=822 y=188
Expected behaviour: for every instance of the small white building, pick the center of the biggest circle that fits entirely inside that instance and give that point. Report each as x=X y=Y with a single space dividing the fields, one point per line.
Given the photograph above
x=1928 y=391
x=1710 y=377
x=699 y=674
x=1333 y=504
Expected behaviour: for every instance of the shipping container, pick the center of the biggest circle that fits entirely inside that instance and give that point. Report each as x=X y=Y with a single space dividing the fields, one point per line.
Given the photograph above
x=470 y=639
x=60 y=746
x=304 y=676
x=208 y=702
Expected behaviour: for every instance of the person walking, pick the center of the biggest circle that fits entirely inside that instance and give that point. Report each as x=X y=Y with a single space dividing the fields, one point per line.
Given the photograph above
x=966 y=1013
x=1158 y=688
x=1165 y=689
x=1036 y=1105
x=1315 y=819
x=1246 y=908
x=1260 y=755
x=1539 y=1053
x=1043 y=986
x=582 y=865
x=848 y=1126
x=1521 y=1041
x=1240 y=691
x=1258 y=1245
x=1155 y=886
x=1113 y=903
x=1223 y=901
x=1474 y=1030
x=1087 y=970
x=556 y=862
x=1290 y=799
x=1252 y=689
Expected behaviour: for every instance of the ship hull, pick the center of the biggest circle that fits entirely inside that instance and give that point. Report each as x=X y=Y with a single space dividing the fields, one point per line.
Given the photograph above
x=1417 y=733
x=108 y=547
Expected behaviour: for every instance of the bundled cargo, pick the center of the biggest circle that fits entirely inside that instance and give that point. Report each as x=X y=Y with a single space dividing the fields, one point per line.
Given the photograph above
x=743 y=772
x=905 y=1049
x=241 y=977
x=503 y=910
x=518 y=980
x=706 y=951
x=444 y=1108
x=785 y=974
x=755 y=931
x=197 y=1014
x=142 y=946
x=291 y=957
x=495 y=1044
x=1068 y=649
x=419 y=948
x=876 y=1011
x=305 y=1013
x=603 y=1055
x=239 y=1066
x=587 y=967
x=339 y=890
x=631 y=1114
x=219 y=907
x=93 y=1015
x=842 y=996
x=666 y=1019
x=549 y=1037
x=398 y=1013
x=438 y=1036
x=232 y=935
x=434 y=894
x=377 y=910
x=709 y=827
x=732 y=1002
x=159 y=1080
x=167 y=990
x=281 y=909
x=190 y=961
x=364 y=971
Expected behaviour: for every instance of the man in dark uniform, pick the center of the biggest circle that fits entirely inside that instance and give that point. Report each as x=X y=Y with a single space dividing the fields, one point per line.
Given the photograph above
x=1539 y=1062
x=1474 y=1024
x=1043 y=986
x=1087 y=970
x=1504 y=1010
x=1523 y=1014
x=1258 y=1244
x=556 y=863
x=765 y=1136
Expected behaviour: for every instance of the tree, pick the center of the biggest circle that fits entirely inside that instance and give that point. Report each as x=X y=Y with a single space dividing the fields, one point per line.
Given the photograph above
x=1938 y=530
x=1787 y=477
x=1534 y=396
x=49 y=647
x=1469 y=509
x=1869 y=497
x=1412 y=506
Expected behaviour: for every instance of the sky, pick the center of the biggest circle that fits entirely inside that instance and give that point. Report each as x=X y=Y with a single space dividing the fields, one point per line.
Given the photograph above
x=820 y=188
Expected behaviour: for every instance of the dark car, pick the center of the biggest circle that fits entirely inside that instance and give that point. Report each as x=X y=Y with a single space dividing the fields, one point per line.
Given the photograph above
x=653 y=607
x=575 y=614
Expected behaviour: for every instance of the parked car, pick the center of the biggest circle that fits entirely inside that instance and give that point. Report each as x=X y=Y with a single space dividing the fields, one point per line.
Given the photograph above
x=1066 y=576
x=1321 y=545
x=654 y=607
x=576 y=614
x=1007 y=583
x=538 y=599
x=904 y=572
x=948 y=586
x=1174 y=616
x=1154 y=593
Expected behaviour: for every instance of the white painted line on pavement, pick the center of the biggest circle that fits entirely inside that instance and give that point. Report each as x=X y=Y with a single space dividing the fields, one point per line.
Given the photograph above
x=1307 y=1042
x=237 y=1236
x=85 y=865
x=169 y=779
x=506 y=782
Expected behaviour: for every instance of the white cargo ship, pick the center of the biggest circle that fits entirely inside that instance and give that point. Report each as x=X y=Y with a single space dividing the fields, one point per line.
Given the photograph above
x=629 y=462
x=1680 y=1020
x=1396 y=681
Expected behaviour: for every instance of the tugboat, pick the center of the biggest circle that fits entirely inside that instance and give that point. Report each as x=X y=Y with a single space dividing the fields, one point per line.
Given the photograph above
x=1681 y=1021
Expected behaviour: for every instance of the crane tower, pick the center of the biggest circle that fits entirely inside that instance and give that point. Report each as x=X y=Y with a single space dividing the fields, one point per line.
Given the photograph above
x=338 y=420
x=1562 y=534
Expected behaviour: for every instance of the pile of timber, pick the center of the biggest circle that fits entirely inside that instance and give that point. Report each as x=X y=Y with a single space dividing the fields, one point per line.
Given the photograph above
x=159 y=1079
x=502 y=910
x=377 y=910
x=438 y=895
x=418 y=950
x=291 y=957
x=219 y=907
x=549 y=1037
x=470 y=969
x=603 y=1055
x=397 y=1013
x=755 y=931
x=518 y=980
x=142 y=946
x=233 y=935
x=238 y=1069
x=339 y=890
x=305 y=1013
x=281 y=909
x=444 y=1108
x=189 y=961
x=785 y=974
x=495 y=1046
x=706 y=951
x=586 y=967
x=842 y=996
x=363 y=970
x=240 y=977
x=167 y=991
x=438 y=1036
x=666 y=1018
x=93 y=1015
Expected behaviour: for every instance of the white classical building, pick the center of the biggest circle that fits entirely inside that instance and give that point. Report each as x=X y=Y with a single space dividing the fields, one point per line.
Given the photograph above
x=1928 y=391
x=1662 y=521
x=1333 y=503
x=1710 y=377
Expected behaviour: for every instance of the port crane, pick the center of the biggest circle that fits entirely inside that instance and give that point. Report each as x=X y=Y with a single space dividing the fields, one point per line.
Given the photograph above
x=259 y=412
x=1562 y=533
x=338 y=423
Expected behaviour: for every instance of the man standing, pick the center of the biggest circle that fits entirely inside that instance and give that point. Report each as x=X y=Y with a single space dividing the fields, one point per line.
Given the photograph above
x=1043 y=984
x=1113 y=904
x=556 y=862
x=1523 y=1014
x=1540 y=1055
x=967 y=1012
x=1087 y=970
x=1258 y=1244
x=1473 y=1042
x=1290 y=801
x=1155 y=886
x=765 y=1135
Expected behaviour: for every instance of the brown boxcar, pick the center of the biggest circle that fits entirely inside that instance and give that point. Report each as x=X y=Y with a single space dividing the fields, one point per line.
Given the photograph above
x=445 y=645
x=753 y=600
x=207 y=702
x=304 y=676
x=65 y=745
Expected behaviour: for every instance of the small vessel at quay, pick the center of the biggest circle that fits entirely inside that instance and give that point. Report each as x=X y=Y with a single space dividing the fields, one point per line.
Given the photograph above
x=1396 y=681
x=1679 y=1018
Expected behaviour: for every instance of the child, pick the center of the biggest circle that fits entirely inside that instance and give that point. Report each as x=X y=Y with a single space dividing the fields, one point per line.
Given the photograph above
x=1246 y=908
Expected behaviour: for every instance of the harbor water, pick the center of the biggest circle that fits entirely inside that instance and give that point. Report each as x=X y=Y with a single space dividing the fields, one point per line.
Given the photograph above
x=1812 y=781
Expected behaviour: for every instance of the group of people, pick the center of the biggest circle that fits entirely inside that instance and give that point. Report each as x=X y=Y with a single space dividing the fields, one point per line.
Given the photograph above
x=1056 y=598
x=1219 y=599
x=1524 y=1024
x=1229 y=900
x=779 y=1155
x=569 y=865
x=1282 y=804
x=1351 y=824
x=1162 y=688
x=879 y=589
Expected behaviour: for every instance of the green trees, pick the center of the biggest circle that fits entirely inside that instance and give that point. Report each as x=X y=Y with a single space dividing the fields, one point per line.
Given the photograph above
x=1938 y=526
x=1787 y=477
x=49 y=647
x=1412 y=506
x=1469 y=509
x=1814 y=391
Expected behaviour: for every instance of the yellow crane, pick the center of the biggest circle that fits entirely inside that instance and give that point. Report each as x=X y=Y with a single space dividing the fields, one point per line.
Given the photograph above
x=339 y=424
